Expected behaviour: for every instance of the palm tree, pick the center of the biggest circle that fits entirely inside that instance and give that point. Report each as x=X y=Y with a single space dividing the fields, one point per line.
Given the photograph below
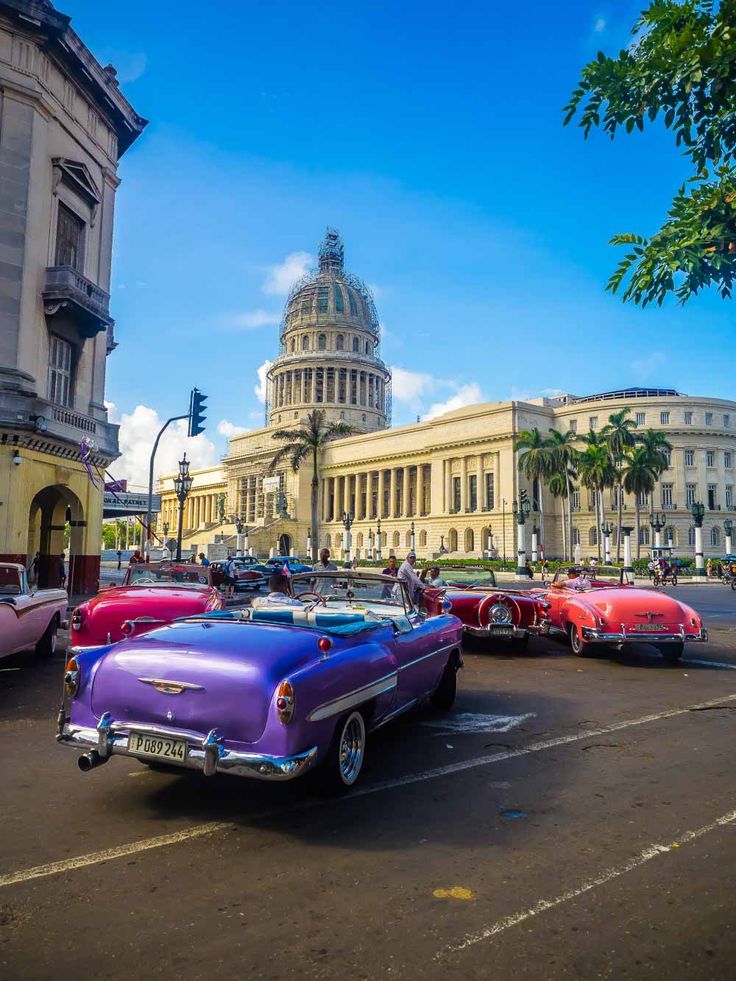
x=309 y=439
x=619 y=438
x=534 y=463
x=658 y=449
x=596 y=473
x=557 y=484
x=640 y=476
x=563 y=459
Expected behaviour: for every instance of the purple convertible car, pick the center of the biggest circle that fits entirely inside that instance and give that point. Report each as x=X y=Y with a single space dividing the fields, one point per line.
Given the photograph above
x=270 y=692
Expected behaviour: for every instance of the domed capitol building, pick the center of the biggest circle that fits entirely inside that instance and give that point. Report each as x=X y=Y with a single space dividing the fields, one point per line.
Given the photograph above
x=454 y=479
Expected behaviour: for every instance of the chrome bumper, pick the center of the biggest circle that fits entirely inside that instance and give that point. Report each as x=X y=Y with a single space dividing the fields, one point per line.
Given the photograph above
x=508 y=631
x=592 y=635
x=207 y=754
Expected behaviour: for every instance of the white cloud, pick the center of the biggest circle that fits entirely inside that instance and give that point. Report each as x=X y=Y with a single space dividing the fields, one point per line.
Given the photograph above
x=388 y=337
x=410 y=386
x=644 y=368
x=138 y=431
x=253 y=319
x=260 y=388
x=465 y=395
x=600 y=25
x=281 y=277
x=227 y=428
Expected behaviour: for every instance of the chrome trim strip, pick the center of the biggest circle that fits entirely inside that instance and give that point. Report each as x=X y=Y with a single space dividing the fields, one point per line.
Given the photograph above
x=171 y=687
x=417 y=660
x=353 y=698
x=594 y=636
x=201 y=755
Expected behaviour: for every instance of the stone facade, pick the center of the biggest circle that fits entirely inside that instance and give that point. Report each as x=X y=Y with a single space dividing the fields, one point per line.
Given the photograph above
x=63 y=126
x=454 y=478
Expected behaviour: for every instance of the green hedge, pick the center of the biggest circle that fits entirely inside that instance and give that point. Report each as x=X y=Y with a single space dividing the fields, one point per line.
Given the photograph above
x=640 y=565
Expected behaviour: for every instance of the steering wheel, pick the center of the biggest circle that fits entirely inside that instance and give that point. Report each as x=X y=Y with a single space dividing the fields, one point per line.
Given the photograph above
x=318 y=598
x=144 y=579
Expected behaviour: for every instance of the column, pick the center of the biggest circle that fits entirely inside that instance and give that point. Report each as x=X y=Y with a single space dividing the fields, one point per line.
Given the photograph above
x=395 y=500
x=405 y=491
x=420 y=490
x=463 y=484
x=479 y=488
x=448 y=486
x=381 y=489
x=345 y=496
x=390 y=494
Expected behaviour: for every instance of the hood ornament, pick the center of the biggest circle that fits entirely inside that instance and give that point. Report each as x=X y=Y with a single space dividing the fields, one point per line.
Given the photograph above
x=167 y=687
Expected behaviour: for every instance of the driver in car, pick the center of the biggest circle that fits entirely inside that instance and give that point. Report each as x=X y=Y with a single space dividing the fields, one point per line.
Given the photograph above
x=576 y=579
x=279 y=594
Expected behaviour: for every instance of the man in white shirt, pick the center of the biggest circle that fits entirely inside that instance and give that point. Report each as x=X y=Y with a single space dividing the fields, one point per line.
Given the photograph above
x=279 y=586
x=408 y=575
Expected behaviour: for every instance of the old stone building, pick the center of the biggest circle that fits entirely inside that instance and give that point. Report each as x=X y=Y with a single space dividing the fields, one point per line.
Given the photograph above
x=452 y=480
x=64 y=124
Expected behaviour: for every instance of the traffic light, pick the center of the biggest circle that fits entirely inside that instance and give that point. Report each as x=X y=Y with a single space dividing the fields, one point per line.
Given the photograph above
x=196 y=412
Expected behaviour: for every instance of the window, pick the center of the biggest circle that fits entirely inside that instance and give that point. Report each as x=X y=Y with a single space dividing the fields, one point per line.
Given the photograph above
x=593 y=422
x=689 y=458
x=340 y=343
x=664 y=418
x=641 y=418
x=305 y=343
x=670 y=536
x=452 y=540
x=715 y=536
x=593 y=535
x=339 y=301
x=726 y=420
x=456 y=494
x=712 y=493
x=691 y=535
x=573 y=425
x=422 y=538
x=667 y=454
x=576 y=536
x=688 y=418
x=727 y=460
x=367 y=347
x=490 y=492
x=60 y=371
x=690 y=490
x=709 y=418
x=729 y=496
x=356 y=345
x=666 y=495
x=351 y=301
x=322 y=298
x=643 y=499
x=575 y=499
x=644 y=536
x=709 y=458
x=472 y=496
x=322 y=342
x=469 y=540
x=69 y=239
x=293 y=344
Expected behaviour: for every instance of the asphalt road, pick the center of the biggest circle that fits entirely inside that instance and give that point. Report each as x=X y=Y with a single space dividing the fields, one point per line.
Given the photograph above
x=570 y=818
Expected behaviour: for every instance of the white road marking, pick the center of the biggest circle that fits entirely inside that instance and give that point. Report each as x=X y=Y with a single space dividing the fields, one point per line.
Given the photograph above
x=93 y=858
x=653 y=851
x=538 y=747
x=707 y=664
x=477 y=722
x=107 y=854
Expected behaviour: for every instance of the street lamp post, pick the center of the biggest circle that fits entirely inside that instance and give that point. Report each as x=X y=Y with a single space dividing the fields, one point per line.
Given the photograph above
x=246 y=540
x=606 y=529
x=657 y=523
x=239 y=525
x=379 y=541
x=503 y=526
x=182 y=486
x=309 y=545
x=412 y=539
x=698 y=512
x=628 y=564
x=535 y=542
x=728 y=529
x=520 y=511
x=165 y=530
x=489 y=544
x=347 y=521
x=370 y=544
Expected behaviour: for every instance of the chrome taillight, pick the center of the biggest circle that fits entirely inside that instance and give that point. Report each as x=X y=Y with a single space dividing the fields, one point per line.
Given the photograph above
x=285 y=702
x=127 y=627
x=76 y=620
x=71 y=677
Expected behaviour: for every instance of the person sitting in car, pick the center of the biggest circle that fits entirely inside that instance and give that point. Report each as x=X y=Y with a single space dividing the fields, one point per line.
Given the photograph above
x=279 y=593
x=576 y=579
x=432 y=577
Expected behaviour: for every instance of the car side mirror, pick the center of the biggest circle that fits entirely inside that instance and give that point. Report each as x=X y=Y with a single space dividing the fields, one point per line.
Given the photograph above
x=402 y=625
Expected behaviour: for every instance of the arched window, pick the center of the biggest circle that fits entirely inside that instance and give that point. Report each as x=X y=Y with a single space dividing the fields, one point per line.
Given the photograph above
x=469 y=540
x=643 y=536
x=328 y=541
x=576 y=536
x=715 y=536
x=322 y=342
x=407 y=539
x=364 y=417
x=396 y=541
x=322 y=299
x=340 y=342
x=670 y=536
x=423 y=539
x=356 y=345
x=293 y=344
x=452 y=540
x=691 y=535
x=593 y=536
x=351 y=300
x=339 y=300
x=367 y=347
x=305 y=342
x=359 y=536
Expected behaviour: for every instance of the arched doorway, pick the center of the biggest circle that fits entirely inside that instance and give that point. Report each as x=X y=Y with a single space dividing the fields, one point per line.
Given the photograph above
x=284 y=544
x=56 y=526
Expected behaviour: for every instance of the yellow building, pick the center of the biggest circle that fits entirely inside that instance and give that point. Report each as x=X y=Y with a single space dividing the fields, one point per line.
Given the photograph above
x=453 y=480
x=64 y=125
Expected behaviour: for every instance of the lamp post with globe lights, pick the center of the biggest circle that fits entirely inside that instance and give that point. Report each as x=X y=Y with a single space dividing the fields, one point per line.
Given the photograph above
x=182 y=486
x=347 y=521
x=520 y=510
x=239 y=526
x=379 y=541
x=697 y=509
x=728 y=531
x=657 y=523
x=607 y=529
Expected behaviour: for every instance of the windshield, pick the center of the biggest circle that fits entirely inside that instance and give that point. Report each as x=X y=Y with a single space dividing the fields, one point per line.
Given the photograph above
x=150 y=574
x=468 y=577
x=379 y=593
x=10 y=584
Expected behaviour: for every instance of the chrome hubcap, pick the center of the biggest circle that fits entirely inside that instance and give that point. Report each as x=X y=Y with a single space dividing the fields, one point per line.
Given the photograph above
x=351 y=750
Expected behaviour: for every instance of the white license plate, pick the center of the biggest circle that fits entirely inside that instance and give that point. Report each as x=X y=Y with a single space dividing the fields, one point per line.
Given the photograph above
x=504 y=631
x=163 y=748
x=651 y=628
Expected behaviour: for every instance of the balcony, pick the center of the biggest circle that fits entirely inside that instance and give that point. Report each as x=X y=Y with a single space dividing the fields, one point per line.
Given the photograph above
x=71 y=293
x=42 y=423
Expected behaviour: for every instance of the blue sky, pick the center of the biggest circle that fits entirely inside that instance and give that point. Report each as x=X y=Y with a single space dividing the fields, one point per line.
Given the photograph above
x=431 y=136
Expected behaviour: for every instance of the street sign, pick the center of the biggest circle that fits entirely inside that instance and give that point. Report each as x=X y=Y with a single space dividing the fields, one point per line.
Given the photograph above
x=120 y=503
x=271 y=484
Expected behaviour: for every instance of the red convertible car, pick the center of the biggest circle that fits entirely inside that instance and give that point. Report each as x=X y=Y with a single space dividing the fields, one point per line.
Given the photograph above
x=152 y=594
x=487 y=611
x=593 y=611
